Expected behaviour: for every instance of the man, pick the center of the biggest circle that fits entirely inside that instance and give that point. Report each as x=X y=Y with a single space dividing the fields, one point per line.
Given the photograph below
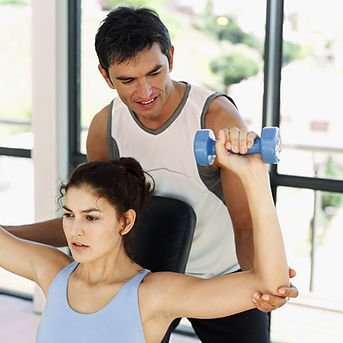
x=154 y=119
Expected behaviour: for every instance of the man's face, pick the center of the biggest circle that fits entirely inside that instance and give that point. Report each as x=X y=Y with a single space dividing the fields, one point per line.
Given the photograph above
x=143 y=82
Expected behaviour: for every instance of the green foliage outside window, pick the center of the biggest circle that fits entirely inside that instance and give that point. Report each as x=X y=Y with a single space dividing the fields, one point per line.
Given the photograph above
x=332 y=200
x=108 y=5
x=233 y=68
x=226 y=28
x=14 y=2
x=292 y=51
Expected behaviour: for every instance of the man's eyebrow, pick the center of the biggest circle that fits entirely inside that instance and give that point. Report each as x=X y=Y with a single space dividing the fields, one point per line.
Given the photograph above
x=154 y=70
x=83 y=211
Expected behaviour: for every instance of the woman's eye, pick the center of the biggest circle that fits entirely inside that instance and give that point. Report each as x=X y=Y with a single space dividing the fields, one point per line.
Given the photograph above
x=67 y=215
x=91 y=218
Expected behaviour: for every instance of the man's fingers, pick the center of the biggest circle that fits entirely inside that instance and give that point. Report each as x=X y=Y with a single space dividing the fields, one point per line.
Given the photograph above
x=262 y=305
x=233 y=137
x=251 y=136
x=291 y=292
x=267 y=303
x=243 y=141
x=292 y=273
x=239 y=140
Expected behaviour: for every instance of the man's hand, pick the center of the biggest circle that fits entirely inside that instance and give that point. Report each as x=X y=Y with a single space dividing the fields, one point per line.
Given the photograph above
x=239 y=140
x=267 y=302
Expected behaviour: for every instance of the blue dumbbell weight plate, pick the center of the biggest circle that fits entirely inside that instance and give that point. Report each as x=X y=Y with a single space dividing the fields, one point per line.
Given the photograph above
x=204 y=147
x=272 y=148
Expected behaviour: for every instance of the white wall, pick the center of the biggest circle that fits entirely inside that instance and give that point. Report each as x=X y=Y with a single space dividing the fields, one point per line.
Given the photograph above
x=49 y=30
x=49 y=106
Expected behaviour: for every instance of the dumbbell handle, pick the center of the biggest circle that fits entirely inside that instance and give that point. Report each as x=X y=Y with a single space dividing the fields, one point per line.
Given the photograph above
x=255 y=149
x=269 y=145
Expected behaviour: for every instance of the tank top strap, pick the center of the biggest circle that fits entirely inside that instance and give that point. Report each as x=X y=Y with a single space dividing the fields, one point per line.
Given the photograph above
x=129 y=291
x=65 y=273
x=59 y=283
x=141 y=275
x=137 y=279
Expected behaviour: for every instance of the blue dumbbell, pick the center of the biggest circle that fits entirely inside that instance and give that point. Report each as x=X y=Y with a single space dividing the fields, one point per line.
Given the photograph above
x=269 y=146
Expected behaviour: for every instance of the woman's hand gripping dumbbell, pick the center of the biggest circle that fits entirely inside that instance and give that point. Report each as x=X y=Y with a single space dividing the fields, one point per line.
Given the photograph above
x=269 y=146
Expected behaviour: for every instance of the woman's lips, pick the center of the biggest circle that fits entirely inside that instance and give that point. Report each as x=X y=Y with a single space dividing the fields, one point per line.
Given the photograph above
x=78 y=246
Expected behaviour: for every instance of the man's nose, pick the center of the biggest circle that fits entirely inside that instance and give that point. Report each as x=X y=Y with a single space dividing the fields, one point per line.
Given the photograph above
x=145 y=89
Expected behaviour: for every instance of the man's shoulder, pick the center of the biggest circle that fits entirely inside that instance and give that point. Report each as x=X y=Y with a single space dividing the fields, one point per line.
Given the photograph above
x=223 y=113
x=97 y=148
x=218 y=99
x=200 y=89
x=100 y=118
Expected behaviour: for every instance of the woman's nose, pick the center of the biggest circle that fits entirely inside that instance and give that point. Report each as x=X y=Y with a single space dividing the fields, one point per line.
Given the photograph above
x=77 y=228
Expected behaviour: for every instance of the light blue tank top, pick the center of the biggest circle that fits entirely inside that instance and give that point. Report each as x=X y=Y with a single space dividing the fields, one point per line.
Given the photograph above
x=118 y=321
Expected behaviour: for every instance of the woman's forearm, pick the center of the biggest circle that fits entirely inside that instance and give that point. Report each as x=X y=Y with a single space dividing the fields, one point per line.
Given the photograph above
x=270 y=263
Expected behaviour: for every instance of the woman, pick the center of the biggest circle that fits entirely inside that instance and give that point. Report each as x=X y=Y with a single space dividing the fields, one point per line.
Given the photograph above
x=100 y=294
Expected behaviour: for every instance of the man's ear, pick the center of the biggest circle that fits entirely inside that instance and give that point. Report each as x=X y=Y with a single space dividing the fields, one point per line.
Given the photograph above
x=171 y=58
x=128 y=221
x=106 y=76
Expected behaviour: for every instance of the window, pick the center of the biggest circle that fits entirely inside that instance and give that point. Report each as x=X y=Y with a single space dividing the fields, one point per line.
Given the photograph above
x=15 y=70
x=16 y=139
x=312 y=228
x=312 y=77
x=311 y=222
x=310 y=214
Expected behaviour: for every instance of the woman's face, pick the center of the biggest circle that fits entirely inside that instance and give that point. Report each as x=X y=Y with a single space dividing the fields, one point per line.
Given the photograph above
x=91 y=225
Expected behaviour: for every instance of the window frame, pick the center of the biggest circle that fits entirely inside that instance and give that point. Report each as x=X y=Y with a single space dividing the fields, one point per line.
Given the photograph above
x=271 y=100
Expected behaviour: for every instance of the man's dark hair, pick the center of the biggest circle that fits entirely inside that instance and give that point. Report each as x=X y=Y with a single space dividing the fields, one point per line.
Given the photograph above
x=126 y=31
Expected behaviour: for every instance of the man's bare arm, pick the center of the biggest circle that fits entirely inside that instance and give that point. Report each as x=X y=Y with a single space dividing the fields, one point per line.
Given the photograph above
x=51 y=231
x=47 y=232
x=97 y=148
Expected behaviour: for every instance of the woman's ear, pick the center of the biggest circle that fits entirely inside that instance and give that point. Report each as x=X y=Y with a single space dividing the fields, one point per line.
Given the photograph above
x=105 y=75
x=128 y=221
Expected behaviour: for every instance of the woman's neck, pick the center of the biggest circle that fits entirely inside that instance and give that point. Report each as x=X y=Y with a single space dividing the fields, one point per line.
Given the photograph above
x=107 y=269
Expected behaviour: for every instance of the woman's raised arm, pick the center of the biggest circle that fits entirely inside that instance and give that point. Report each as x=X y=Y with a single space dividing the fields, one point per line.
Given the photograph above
x=34 y=261
x=225 y=295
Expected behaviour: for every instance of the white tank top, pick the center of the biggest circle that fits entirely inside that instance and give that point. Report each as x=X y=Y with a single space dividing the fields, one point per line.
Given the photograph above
x=167 y=155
